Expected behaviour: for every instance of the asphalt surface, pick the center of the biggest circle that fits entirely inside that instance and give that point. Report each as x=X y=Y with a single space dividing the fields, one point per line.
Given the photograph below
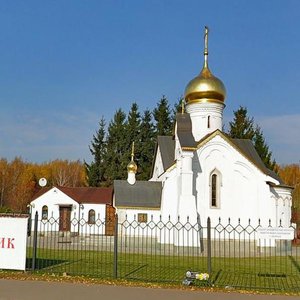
x=23 y=290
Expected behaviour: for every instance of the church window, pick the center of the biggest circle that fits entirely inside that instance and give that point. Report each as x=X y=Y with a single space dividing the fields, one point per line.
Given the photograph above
x=214 y=190
x=45 y=212
x=215 y=186
x=91 y=218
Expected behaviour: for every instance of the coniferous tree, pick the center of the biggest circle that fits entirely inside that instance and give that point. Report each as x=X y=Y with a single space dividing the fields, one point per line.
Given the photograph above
x=96 y=169
x=178 y=106
x=177 y=109
x=146 y=148
x=162 y=117
x=243 y=127
x=263 y=149
x=117 y=145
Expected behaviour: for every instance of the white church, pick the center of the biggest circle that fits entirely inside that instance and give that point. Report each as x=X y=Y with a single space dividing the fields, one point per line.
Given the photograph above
x=201 y=172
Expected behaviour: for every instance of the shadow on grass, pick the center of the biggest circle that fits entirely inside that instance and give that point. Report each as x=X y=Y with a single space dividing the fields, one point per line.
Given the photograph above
x=257 y=281
x=42 y=263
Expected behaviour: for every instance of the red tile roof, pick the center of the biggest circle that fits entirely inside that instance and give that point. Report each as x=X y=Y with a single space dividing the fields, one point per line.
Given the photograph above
x=93 y=195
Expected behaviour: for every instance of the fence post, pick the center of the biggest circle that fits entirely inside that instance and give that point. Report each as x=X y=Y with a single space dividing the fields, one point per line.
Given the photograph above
x=35 y=229
x=209 y=269
x=115 y=266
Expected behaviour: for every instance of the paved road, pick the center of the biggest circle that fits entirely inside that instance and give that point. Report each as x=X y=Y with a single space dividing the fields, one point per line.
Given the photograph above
x=33 y=290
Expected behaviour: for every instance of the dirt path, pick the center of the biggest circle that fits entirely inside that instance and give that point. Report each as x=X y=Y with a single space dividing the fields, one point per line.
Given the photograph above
x=32 y=290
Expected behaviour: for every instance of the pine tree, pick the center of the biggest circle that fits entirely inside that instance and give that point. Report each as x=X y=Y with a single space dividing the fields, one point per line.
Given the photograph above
x=177 y=109
x=263 y=149
x=146 y=146
x=117 y=144
x=243 y=127
x=162 y=117
x=96 y=169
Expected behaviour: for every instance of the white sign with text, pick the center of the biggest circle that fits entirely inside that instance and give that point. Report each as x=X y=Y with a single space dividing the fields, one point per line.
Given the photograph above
x=276 y=233
x=13 y=237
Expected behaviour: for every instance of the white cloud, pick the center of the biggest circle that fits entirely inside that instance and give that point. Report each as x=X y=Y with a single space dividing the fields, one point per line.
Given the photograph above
x=50 y=136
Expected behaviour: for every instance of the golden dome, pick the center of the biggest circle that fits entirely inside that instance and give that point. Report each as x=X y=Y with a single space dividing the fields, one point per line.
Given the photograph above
x=132 y=167
x=205 y=87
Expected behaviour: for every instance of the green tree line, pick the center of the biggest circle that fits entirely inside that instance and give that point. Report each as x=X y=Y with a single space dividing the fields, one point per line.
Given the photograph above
x=111 y=147
x=111 y=150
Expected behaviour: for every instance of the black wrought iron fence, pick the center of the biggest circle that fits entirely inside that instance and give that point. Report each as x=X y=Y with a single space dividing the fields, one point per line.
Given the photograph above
x=233 y=255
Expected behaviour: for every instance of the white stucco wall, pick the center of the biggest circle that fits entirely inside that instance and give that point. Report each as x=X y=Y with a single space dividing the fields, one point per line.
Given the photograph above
x=244 y=193
x=55 y=198
x=158 y=168
x=199 y=113
x=282 y=201
x=170 y=194
x=130 y=225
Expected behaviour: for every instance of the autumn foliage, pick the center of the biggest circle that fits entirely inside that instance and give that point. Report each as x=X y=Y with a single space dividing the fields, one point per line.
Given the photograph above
x=19 y=180
x=290 y=174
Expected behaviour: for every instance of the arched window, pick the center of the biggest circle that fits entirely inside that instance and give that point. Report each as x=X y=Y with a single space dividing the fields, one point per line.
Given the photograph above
x=45 y=212
x=215 y=187
x=92 y=217
x=214 y=179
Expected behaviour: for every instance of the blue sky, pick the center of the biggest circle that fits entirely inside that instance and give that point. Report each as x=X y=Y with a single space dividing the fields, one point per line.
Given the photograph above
x=64 y=64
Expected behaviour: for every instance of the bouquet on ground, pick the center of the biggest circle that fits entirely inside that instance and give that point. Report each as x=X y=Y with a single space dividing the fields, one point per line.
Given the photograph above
x=196 y=278
x=202 y=276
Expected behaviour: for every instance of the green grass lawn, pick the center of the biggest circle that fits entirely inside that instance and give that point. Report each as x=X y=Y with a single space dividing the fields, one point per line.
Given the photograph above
x=260 y=273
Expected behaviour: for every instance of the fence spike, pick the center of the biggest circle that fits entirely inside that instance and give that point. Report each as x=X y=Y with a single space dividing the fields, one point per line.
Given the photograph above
x=169 y=218
x=151 y=217
x=280 y=225
x=228 y=220
x=259 y=221
x=269 y=222
x=239 y=221
x=159 y=217
x=187 y=219
x=249 y=221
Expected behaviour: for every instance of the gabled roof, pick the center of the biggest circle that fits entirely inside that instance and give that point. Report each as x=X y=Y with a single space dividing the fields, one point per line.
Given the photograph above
x=184 y=131
x=243 y=146
x=166 y=145
x=92 y=195
x=247 y=147
x=142 y=194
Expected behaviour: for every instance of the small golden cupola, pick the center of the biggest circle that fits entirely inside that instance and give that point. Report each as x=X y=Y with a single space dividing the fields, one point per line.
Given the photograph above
x=205 y=87
x=131 y=168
